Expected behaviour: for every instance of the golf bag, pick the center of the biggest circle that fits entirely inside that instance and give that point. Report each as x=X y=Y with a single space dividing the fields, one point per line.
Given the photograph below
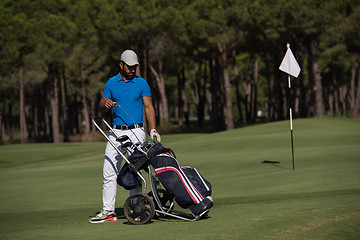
x=127 y=177
x=188 y=187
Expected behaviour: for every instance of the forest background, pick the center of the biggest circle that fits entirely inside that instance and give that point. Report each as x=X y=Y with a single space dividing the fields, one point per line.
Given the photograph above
x=212 y=65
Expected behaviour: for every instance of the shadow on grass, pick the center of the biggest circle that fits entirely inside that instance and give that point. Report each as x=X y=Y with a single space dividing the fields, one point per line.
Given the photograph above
x=120 y=213
x=276 y=164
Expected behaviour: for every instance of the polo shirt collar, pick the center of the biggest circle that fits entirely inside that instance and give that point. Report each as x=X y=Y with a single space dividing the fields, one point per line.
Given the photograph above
x=121 y=79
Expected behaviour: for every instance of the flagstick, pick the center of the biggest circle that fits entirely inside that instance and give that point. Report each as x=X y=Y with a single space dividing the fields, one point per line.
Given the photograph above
x=290 y=66
x=291 y=126
x=292 y=141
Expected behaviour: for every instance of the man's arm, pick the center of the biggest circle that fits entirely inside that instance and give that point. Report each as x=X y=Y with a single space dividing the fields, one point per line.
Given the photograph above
x=150 y=112
x=105 y=104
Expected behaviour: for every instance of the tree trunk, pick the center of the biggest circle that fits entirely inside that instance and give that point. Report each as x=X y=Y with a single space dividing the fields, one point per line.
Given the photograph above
x=278 y=97
x=237 y=88
x=144 y=68
x=250 y=91
x=22 y=108
x=54 y=103
x=180 y=105
x=1 y=128
x=36 y=121
x=65 y=113
x=79 y=121
x=76 y=115
x=357 y=100
x=203 y=99
x=201 y=92
x=302 y=101
x=336 y=96
x=164 y=110
x=145 y=63
x=9 y=122
x=254 y=95
x=270 y=102
x=238 y=99
x=319 y=102
x=352 y=87
x=228 y=111
x=47 y=131
x=93 y=112
x=331 y=104
x=285 y=96
x=247 y=100
x=182 y=100
x=342 y=96
x=84 y=102
x=217 y=91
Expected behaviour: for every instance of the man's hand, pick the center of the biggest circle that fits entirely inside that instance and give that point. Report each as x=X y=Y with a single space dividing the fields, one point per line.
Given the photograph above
x=106 y=104
x=109 y=103
x=155 y=134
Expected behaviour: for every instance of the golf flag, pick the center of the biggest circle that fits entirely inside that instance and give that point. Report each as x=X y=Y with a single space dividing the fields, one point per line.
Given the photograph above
x=289 y=63
x=290 y=66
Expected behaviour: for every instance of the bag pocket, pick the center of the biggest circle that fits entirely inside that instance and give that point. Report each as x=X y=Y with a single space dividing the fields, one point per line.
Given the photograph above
x=199 y=182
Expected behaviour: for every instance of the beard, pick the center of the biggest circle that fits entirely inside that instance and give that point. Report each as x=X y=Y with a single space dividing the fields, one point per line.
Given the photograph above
x=128 y=76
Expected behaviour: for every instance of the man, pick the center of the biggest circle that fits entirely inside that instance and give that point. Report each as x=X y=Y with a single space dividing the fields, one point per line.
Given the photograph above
x=133 y=94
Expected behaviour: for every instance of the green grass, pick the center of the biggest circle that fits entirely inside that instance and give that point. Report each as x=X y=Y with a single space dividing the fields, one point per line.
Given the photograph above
x=49 y=191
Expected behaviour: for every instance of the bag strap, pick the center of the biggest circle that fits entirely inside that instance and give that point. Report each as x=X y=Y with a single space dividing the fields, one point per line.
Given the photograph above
x=160 y=151
x=170 y=151
x=141 y=163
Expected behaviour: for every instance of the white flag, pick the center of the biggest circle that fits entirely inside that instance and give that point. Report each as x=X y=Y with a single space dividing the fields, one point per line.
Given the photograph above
x=289 y=64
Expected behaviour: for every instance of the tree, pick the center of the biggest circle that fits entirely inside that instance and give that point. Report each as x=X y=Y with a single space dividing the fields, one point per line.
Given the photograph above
x=215 y=35
x=194 y=54
x=86 y=62
x=159 y=51
x=141 y=31
x=351 y=30
x=18 y=43
x=312 y=21
x=55 y=33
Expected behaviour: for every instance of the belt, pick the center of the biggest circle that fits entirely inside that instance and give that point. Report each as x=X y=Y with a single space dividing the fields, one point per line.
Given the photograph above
x=128 y=127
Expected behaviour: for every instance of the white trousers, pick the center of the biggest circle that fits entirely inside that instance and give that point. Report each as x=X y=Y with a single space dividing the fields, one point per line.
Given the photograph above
x=112 y=165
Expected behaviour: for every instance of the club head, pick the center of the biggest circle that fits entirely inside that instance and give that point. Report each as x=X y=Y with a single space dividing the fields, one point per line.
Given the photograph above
x=127 y=144
x=147 y=145
x=122 y=138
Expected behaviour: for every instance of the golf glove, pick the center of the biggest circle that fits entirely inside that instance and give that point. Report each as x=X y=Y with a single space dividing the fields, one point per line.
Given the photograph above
x=155 y=134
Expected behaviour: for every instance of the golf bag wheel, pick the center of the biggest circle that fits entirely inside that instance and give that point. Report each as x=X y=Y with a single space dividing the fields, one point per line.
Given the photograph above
x=164 y=196
x=139 y=208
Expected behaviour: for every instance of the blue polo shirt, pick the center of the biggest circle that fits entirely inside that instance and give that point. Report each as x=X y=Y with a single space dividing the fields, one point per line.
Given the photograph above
x=128 y=94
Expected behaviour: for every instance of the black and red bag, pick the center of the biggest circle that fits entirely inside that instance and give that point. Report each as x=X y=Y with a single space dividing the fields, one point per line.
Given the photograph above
x=188 y=187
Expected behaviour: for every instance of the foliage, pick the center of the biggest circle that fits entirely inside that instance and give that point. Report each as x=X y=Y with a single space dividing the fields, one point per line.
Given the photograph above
x=198 y=42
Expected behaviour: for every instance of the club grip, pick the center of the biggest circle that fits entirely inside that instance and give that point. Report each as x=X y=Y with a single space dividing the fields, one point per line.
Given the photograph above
x=97 y=118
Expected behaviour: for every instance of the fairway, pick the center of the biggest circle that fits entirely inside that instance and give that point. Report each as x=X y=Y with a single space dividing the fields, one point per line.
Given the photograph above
x=49 y=191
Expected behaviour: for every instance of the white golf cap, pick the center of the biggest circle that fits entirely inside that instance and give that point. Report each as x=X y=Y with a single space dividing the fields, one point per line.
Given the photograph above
x=129 y=57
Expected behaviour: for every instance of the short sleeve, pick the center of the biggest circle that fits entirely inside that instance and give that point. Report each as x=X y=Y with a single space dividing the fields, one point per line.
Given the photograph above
x=107 y=88
x=146 y=90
